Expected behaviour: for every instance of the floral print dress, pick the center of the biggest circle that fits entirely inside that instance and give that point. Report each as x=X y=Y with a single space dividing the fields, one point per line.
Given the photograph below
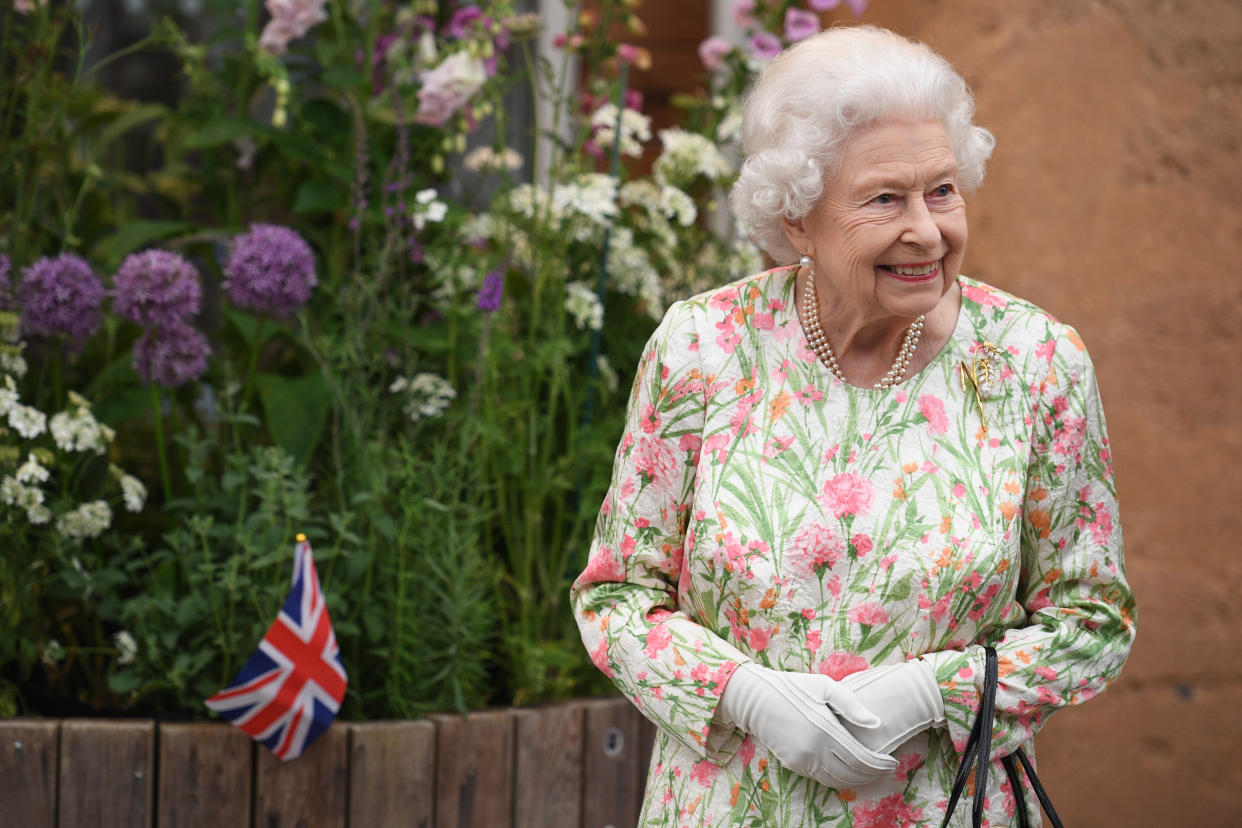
x=760 y=509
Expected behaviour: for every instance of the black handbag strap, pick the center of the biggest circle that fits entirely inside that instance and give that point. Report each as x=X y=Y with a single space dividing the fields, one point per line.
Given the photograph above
x=977 y=753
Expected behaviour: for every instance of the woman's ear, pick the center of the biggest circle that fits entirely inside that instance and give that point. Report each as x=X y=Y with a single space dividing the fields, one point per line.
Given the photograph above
x=795 y=231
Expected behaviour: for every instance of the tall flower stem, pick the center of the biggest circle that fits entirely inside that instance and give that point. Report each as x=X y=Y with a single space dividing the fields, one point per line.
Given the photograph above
x=248 y=388
x=159 y=441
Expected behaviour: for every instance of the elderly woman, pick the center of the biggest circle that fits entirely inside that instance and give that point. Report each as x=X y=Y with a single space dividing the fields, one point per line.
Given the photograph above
x=842 y=478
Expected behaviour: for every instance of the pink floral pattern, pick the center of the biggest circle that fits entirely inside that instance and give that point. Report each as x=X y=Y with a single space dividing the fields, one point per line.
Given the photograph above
x=761 y=510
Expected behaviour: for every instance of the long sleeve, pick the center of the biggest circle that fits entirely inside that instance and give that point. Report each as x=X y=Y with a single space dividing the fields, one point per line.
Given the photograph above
x=626 y=600
x=1079 y=609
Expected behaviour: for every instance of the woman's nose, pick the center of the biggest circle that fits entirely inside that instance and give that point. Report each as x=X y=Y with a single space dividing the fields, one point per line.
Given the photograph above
x=921 y=228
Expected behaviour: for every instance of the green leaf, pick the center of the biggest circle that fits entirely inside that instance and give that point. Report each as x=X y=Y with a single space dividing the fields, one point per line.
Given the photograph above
x=129 y=120
x=342 y=77
x=134 y=235
x=318 y=194
x=222 y=131
x=124 y=681
x=250 y=326
x=295 y=411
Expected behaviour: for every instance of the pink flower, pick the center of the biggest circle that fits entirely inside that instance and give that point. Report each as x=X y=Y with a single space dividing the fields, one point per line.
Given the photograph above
x=650 y=419
x=691 y=443
x=704 y=772
x=983 y=297
x=839 y=665
x=890 y=812
x=713 y=52
x=448 y=87
x=868 y=613
x=657 y=639
x=799 y=24
x=759 y=638
x=813 y=640
x=747 y=751
x=291 y=19
x=824 y=5
x=654 y=459
x=846 y=494
x=603 y=566
x=743 y=13
x=861 y=543
x=765 y=45
x=933 y=409
x=599 y=657
x=815 y=546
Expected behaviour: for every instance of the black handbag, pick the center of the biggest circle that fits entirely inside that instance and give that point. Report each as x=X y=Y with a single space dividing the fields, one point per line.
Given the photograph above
x=978 y=749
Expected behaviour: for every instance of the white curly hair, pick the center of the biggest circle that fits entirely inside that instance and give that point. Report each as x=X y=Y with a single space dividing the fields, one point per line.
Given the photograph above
x=802 y=110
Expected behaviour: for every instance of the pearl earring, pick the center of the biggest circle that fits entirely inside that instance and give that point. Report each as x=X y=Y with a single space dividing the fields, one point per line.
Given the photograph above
x=805 y=261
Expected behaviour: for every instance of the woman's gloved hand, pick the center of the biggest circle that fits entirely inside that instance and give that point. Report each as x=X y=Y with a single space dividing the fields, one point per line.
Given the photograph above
x=906 y=697
x=795 y=716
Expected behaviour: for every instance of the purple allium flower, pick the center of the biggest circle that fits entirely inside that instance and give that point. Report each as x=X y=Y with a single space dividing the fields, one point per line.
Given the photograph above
x=799 y=24
x=493 y=288
x=271 y=270
x=171 y=356
x=61 y=296
x=765 y=45
x=156 y=287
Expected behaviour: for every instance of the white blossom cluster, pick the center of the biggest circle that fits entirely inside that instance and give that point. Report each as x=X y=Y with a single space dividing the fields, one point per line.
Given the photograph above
x=584 y=306
x=126 y=647
x=635 y=128
x=427 y=209
x=686 y=156
x=592 y=196
x=76 y=429
x=87 y=521
x=631 y=272
x=486 y=159
x=427 y=395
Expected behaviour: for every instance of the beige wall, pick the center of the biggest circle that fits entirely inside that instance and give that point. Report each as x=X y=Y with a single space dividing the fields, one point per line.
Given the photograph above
x=1112 y=201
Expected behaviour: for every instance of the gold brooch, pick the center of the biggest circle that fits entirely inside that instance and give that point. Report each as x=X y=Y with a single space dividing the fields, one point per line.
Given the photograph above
x=983 y=374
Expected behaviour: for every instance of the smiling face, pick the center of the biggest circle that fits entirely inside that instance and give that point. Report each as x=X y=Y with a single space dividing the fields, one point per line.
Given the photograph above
x=889 y=233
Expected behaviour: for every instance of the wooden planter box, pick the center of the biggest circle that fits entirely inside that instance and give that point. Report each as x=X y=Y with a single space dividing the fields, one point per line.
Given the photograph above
x=578 y=764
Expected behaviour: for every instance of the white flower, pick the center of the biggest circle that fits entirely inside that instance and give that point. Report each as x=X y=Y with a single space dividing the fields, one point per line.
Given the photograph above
x=584 y=306
x=485 y=159
x=607 y=372
x=635 y=127
x=10 y=490
x=27 y=421
x=52 y=653
x=398 y=385
x=632 y=273
x=76 y=429
x=12 y=361
x=38 y=514
x=730 y=128
x=593 y=197
x=31 y=471
x=126 y=646
x=8 y=396
x=133 y=493
x=428 y=209
x=677 y=205
x=428 y=396
x=686 y=156
x=87 y=521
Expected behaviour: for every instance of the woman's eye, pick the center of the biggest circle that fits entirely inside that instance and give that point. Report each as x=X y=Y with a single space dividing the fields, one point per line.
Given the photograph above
x=885 y=198
x=943 y=191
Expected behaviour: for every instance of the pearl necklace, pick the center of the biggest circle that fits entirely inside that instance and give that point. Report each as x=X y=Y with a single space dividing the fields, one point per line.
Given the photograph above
x=819 y=342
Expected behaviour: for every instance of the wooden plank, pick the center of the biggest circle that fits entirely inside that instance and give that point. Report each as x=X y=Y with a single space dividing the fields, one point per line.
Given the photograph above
x=474 y=770
x=28 y=749
x=392 y=773
x=206 y=773
x=311 y=790
x=612 y=792
x=547 y=789
x=105 y=773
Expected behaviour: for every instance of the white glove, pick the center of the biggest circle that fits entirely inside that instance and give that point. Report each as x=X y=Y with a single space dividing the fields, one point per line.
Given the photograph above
x=906 y=697
x=792 y=715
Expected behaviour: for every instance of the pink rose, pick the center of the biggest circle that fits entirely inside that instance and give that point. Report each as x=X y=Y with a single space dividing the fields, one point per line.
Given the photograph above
x=713 y=52
x=846 y=494
x=291 y=19
x=815 y=546
x=448 y=87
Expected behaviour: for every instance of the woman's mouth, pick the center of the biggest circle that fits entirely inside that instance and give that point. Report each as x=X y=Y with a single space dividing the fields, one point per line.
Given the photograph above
x=919 y=272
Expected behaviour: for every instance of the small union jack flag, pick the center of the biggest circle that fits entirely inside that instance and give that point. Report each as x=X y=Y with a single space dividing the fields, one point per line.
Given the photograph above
x=289 y=691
